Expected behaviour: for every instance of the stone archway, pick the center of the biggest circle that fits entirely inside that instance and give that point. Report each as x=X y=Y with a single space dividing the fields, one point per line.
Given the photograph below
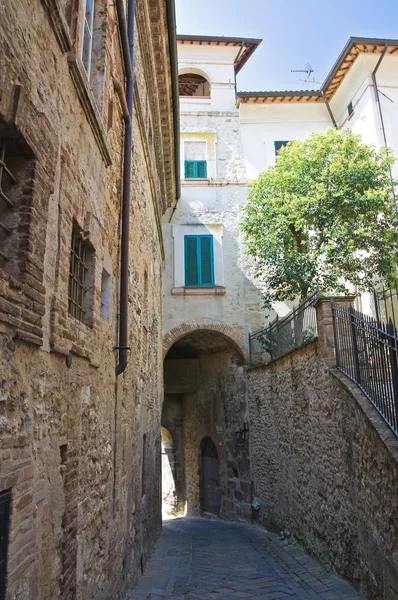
x=205 y=398
x=234 y=334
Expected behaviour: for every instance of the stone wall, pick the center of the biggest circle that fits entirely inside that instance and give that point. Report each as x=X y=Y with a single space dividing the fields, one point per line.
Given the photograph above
x=80 y=448
x=325 y=465
x=217 y=409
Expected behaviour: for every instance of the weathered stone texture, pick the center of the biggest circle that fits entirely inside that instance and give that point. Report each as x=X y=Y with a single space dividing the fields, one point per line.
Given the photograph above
x=324 y=465
x=85 y=493
x=217 y=409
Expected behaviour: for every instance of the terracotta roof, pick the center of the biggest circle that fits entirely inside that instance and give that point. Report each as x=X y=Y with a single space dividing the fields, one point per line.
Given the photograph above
x=281 y=96
x=350 y=52
x=353 y=48
x=246 y=45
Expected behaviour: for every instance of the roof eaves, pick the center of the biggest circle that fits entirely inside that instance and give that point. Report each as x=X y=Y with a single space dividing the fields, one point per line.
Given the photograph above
x=352 y=41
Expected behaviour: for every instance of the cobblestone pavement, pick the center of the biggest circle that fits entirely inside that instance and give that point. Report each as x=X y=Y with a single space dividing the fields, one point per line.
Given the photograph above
x=202 y=559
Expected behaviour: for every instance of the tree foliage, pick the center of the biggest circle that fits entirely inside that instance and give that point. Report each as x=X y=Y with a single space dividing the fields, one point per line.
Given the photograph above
x=324 y=215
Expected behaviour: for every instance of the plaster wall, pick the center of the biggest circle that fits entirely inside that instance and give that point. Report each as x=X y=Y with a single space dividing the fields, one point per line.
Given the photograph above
x=358 y=88
x=216 y=64
x=263 y=124
x=212 y=206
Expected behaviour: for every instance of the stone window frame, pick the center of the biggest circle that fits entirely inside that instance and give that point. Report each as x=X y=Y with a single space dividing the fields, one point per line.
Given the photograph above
x=208 y=136
x=22 y=293
x=179 y=232
x=81 y=276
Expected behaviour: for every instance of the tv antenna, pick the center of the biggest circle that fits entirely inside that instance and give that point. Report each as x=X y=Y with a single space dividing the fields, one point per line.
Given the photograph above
x=308 y=69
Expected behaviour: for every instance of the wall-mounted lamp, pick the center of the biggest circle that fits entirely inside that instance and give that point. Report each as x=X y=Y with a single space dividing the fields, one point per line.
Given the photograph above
x=243 y=434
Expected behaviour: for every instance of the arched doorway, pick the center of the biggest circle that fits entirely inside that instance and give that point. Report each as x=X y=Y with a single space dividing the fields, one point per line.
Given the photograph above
x=204 y=407
x=210 y=479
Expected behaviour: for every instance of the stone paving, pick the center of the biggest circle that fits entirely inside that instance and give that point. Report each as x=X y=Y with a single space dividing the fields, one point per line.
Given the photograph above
x=210 y=559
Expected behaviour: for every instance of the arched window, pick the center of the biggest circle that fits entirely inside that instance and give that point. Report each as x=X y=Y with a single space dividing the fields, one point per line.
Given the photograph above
x=191 y=84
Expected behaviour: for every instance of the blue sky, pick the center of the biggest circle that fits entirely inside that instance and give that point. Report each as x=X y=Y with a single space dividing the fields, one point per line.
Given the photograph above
x=294 y=32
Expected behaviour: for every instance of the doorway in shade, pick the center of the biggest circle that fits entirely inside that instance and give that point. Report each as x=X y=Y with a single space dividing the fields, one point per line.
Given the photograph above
x=210 y=484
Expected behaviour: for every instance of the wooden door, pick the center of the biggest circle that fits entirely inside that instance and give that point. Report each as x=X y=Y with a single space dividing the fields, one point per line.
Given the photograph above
x=210 y=477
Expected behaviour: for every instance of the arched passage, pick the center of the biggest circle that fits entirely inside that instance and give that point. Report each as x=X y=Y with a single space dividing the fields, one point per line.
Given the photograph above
x=205 y=399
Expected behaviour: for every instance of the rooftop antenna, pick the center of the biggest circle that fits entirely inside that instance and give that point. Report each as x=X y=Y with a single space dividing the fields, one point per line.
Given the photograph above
x=308 y=69
x=310 y=80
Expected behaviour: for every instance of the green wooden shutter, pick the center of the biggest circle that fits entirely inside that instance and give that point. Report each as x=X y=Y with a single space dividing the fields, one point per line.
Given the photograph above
x=191 y=261
x=201 y=169
x=278 y=145
x=189 y=169
x=206 y=260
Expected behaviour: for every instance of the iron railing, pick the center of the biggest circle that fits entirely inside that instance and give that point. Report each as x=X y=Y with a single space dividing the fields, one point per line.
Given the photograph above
x=386 y=305
x=284 y=335
x=366 y=351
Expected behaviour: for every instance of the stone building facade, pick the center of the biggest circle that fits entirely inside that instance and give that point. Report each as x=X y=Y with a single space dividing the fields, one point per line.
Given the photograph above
x=212 y=300
x=79 y=446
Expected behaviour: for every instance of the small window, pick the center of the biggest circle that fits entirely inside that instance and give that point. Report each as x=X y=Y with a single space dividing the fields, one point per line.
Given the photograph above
x=105 y=293
x=350 y=109
x=5 y=506
x=278 y=145
x=199 y=262
x=81 y=277
x=88 y=25
x=195 y=169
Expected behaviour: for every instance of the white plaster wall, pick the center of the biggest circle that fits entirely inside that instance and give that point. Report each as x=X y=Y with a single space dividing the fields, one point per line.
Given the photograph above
x=241 y=145
x=216 y=64
x=263 y=124
x=357 y=88
x=212 y=206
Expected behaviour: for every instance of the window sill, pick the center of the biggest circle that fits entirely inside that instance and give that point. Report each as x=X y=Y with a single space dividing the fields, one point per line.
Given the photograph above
x=215 y=290
x=196 y=99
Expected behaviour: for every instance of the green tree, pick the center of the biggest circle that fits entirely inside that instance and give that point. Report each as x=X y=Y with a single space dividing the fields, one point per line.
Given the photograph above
x=324 y=215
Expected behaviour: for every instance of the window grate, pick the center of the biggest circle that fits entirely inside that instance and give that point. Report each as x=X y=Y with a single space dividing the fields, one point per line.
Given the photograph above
x=10 y=204
x=77 y=276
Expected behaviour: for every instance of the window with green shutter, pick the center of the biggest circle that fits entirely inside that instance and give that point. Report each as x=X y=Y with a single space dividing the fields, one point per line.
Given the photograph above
x=278 y=145
x=199 y=263
x=195 y=169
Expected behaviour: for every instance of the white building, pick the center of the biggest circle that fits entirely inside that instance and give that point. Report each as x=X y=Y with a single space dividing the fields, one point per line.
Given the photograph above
x=211 y=298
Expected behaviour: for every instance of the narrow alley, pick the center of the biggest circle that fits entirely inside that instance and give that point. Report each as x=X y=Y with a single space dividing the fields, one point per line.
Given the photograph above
x=205 y=559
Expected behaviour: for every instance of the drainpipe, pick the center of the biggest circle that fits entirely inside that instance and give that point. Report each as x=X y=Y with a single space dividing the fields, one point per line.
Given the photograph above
x=172 y=28
x=378 y=104
x=126 y=29
x=376 y=91
x=326 y=101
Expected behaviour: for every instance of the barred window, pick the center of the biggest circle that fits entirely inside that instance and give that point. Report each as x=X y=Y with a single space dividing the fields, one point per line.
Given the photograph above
x=81 y=277
x=16 y=189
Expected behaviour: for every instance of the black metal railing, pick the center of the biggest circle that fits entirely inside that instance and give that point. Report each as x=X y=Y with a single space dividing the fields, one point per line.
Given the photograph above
x=281 y=336
x=366 y=351
x=386 y=305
